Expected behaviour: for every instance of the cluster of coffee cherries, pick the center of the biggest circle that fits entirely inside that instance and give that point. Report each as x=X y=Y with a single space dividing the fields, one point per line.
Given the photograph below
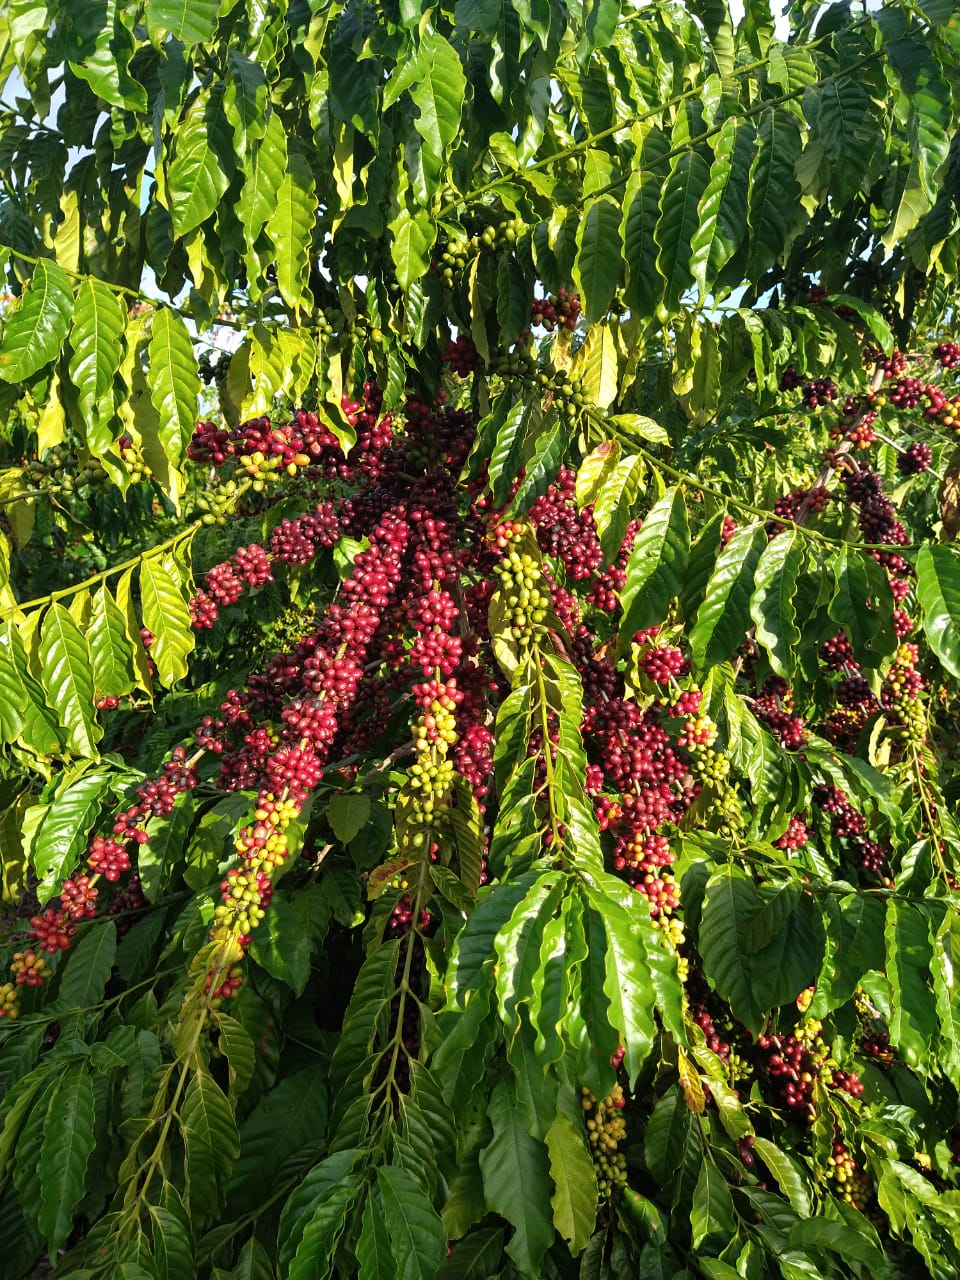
x=560 y=310
x=524 y=595
x=606 y=1130
x=840 y=1174
x=792 y=1064
x=458 y=252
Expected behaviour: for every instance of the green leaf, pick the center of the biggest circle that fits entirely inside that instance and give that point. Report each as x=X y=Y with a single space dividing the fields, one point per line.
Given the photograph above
x=13 y=696
x=238 y=1049
x=938 y=590
x=678 y=221
x=414 y=235
x=862 y=605
x=68 y=680
x=264 y=168
x=852 y=1245
x=722 y=215
x=34 y=334
x=656 y=565
x=165 y=614
x=290 y=228
x=289 y=1120
x=41 y=730
x=771 y=605
x=281 y=947
x=189 y=21
x=174 y=382
x=598 y=266
x=628 y=983
x=724 y=616
x=439 y=92
x=730 y=904
x=615 y=503
x=88 y=968
x=574 y=1177
x=210 y=1140
x=597 y=365
x=194 y=178
x=641 y=203
x=507 y=451
x=789 y=1174
x=946 y=984
x=416 y=1230
x=245 y=100
x=96 y=339
x=111 y=652
x=69 y=1137
x=541 y=469
x=315 y=1255
x=516 y=1179
x=672 y=1142
x=374 y=1254
x=711 y=1215
x=774 y=191
x=517 y=946
x=348 y=813
x=477 y=1257
x=913 y=1019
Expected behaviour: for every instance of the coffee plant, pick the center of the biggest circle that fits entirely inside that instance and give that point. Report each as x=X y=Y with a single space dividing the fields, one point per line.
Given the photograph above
x=479 y=640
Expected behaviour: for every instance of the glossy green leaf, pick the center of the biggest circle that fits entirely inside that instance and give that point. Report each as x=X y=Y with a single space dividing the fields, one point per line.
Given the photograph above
x=417 y=1235
x=68 y=1141
x=68 y=679
x=722 y=215
x=374 y=1254
x=210 y=1140
x=174 y=382
x=290 y=1119
x=678 y=221
x=88 y=969
x=507 y=451
x=598 y=265
x=711 y=1214
x=264 y=169
x=656 y=565
x=862 y=605
x=574 y=1177
x=938 y=590
x=189 y=21
x=414 y=235
x=771 y=605
x=281 y=948
x=111 y=653
x=34 y=334
x=13 y=696
x=290 y=228
x=516 y=1180
x=730 y=905
x=439 y=93
x=195 y=179
x=245 y=100
x=774 y=191
x=96 y=341
x=724 y=615
x=913 y=1020
x=165 y=613
x=540 y=470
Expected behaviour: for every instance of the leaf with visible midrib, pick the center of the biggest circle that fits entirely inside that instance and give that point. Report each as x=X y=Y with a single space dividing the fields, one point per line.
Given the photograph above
x=68 y=1141
x=416 y=1230
x=730 y=905
x=68 y=679
x=210 y=1140
x=167 y=616
x=724 y=614
x=34 y=334
x=598 y=266
x=516 y=1179
x=189 y=21
x=938 y=590
x=110 y=650
x=174 y=381
x=656 y=565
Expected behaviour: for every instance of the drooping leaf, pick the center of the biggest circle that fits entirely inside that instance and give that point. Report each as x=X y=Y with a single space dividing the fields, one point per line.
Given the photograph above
x=111 y=652
x=730 y=905
x=938 y=590
x=575 y=1183
x=88 y=968
x=913 y=1020
x=656 y=565
x=174 y=382
x=34 y=334
x=724 y=615
x=210 y=1140
x=195 y=178
x=68 y=679
x=516 y=1179
x=677 y=223
x=166 y=615
x=722 y=213
x=290 y=228
x=771 y=605
x=189 y=21
x=68 y=1141
x=598 y=265
x=96 y=340
x=417 y=1235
